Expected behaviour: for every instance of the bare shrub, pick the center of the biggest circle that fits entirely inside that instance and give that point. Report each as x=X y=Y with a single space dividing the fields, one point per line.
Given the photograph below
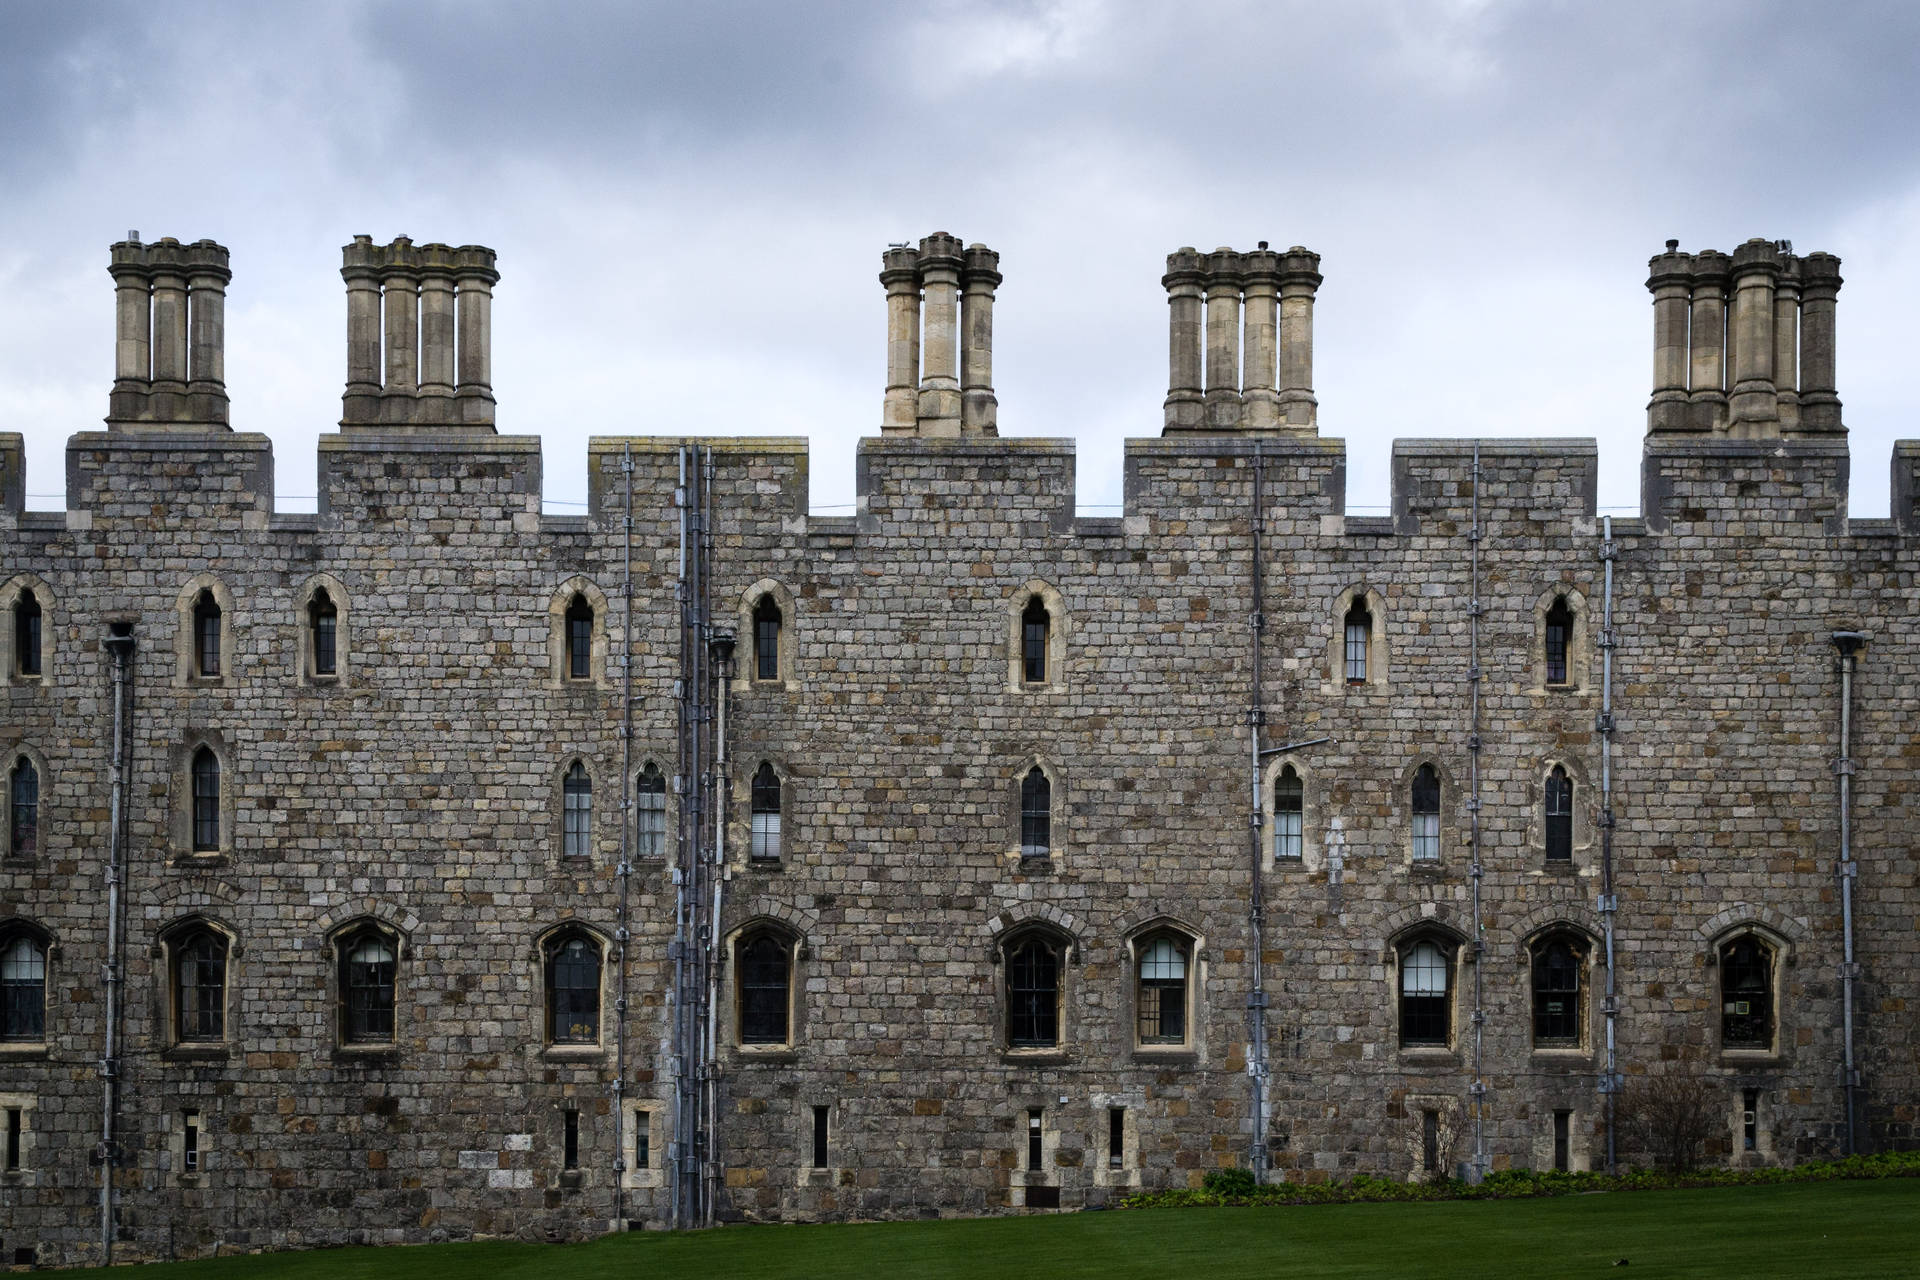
x=1670 y=1116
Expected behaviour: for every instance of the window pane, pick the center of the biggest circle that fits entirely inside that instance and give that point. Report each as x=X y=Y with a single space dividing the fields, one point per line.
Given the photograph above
x=1033 y=996
x=206 y=801
x=1288 y=805
x=579 y=639
x=1746 y=993
x=200 y=982
x=1163 y=992
x=24 y=836
x=23 y=990
x=1424 y=971
x=206 y=628
x=321 y=618
x=765 y=824
x=764 y=993
x=573 y=992
x=766 y=639
x=1556 y=992
x=1559 y=627
x=368 y=986
x=651 y=804
x=26 y=635
x=1559 y=815
x=1359 y=631
x=1036 y=814
x=577 y=820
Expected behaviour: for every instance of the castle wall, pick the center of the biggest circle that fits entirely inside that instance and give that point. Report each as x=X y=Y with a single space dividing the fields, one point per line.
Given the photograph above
x=422 y=789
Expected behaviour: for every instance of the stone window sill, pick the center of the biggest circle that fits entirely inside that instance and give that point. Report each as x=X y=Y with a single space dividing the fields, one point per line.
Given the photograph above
x=1558 y=867
x=769 y=1054
x=1569 y=1056
x=768 y=866
x=1428 y=1056
x=1172 y=1055
x=1035 y=1057
x=202 y=860
x=24 y=1050
x=195 y=1051
x=1751 y=1057
x=573 y=1053
x=372 y=1055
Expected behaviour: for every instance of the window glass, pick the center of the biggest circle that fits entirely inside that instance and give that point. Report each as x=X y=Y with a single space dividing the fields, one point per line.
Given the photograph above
x=200 y=987
x=1559 y=815
x=1556 y=993
x=1036 y=814
x=206 y=635
x=763 y=991
x=573 y=992
x=26 y=635
x=323 y=618
x=1426 y=814
x=1559 y=630
x=1163 y=992
x=766 y=639
x=1289 y=802
x=765 y=818
x=23 y=836
x=650 y=802
x=579 y=622
x=577 y=822
x=368 y=985
x=1423 y=995
x=23 y=989
x=1359 y=633
x=1746 y=994
x=206 y=801
x=1033 y=995
x=1035 y=625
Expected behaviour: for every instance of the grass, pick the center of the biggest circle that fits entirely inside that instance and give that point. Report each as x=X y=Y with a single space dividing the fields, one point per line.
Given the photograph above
x=1814 y=1229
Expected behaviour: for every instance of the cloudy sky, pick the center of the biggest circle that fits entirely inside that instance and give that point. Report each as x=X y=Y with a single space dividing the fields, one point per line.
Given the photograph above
x=689 y=201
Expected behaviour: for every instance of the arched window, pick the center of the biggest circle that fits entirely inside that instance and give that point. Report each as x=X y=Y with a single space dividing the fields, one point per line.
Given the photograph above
x=1289 y=812
x=1359 y=634
x=1559 y=636
x=766 y=639
x=1036 y=814
x=765 y=989
x=1746 y=994
x=1426 y=814
x=1162 y=993
x=650 y=804
x=23 y=987
x=1557 y=964
x=323 y=625
x=764 y=819
x=1035 y=628
x=200 y=986
x=579 y=636
x=367 y=970
x=1559 y=815
x=1425 y=987
x=206 y=801
x=576 y=793
x=23 y=834
x=1033 y=994
x=573 y=990
x=206 y=635
x=26 y=635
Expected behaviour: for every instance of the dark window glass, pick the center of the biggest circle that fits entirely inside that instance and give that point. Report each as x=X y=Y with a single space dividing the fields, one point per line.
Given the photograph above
x=1561 y=1140
x=820 y=1137
x=650 y=803
x=26 y=635
x=366 y=983
x=1036 y=814
x=1746 y=994
x=1034 y=627
x=1556 y=992
x=1163 y=992
x=573 y=992
x=1559 y=815
x=200 y=986
x=1424 y=982
x=642 y=1140
x=764 y=827
x=206 y=635
x=23 y=989
x=1035 y=1140
x=206 y=800
x=1430 y=1141
x=1033 y=995
x=576 y=794
x=1749 y=1119
x=1359 y=633
x=1426 y=814
x=570 y=1154
x=1116 y=1137
x=1289 y=812
x=763 y=991
x=1559 y=630
x=766 y=639
x=23 y=837
x=323 y=620
x=579 y=638
x=15 y=1129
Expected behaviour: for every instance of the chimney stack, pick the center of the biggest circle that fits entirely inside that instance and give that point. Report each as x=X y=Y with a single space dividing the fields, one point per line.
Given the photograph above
x=1252 y=316
x=170 y=324
x=940 y=338
x=430 y=364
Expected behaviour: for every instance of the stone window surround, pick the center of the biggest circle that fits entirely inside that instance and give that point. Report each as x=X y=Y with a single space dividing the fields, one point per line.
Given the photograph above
x=28 y=1174
x=798 y=953
x=1068 y=949
x=335 y=938
x=9 y=758
x=1058 y=628
x=1784 y=958
x=180 y=818
x=1379 y=652
x=1579 y=645
x=657 y=1116
x=1056 y=808
x=166 y=940
x=745 y=662
x=1591 y=966
x=1104 y=1174
x=545 y=944
x=1136 y=940
x=1451 y=838
x=1312 y=849
x=1453 y=945
x=643 y=756
x=9 y=596
x=303 y=631
x=557 y=677
x=18 y=1050
x=1585 y=817
x=740 y=837
x=186 y=661
x=597 y=851
x=1051 y=1173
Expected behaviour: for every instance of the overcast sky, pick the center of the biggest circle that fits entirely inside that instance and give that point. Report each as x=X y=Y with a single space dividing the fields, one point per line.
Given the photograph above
x=689 y=201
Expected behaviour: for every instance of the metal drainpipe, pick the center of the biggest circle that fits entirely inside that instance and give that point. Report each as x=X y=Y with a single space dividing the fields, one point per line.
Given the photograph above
x=622 y=933
x=722 y=651
x=119 y=646
x=1609 y=903
x=1257 y=995
x=1478 y=1089
x=1849 y=644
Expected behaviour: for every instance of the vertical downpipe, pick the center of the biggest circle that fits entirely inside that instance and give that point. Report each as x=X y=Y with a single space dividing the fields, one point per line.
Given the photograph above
x=709 y=1057
x=683 y=1107
x=1849 y=644
x=119 y=646
x=1256 y=716
x=622 y=934
x=1609 y=903
x=1479 y=1086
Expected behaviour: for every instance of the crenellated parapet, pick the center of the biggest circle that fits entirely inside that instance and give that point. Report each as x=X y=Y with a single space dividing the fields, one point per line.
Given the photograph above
x=419 y=336
x=170 y=335
x=1223 y=303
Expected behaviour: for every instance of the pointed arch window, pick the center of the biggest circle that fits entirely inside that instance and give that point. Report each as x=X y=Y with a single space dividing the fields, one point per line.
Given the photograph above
x=764 y=819
x=1557 y=964
x=23 y=790
x=368 y=967
x=765 y=989
x=206 y=635
x=1033 y=994
x=1036 y=626
x=26 y=635
x=576 y=792
x=650 y=806
x=1559 y=635
x=206 y=801
x=1746 y=994
x=766 y=638
x=1426 y=980
x=23 y=988
x=1162 y=992
x=1559 y=815
x=323 y=628
x=1036 y=814
x=1426 y=814
x=200 y=986
x=1359 y=635
x=573 y=990
x=1289 y=814
x=579 y=637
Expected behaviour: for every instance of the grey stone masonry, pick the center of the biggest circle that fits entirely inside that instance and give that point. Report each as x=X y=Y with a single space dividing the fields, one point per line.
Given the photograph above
x=415 y=790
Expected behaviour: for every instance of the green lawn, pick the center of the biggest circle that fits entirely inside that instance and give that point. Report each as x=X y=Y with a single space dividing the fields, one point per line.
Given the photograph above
x=1805 y=1230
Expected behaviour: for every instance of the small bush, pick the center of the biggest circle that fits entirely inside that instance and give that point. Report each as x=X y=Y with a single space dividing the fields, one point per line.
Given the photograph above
x=1230 y=1183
